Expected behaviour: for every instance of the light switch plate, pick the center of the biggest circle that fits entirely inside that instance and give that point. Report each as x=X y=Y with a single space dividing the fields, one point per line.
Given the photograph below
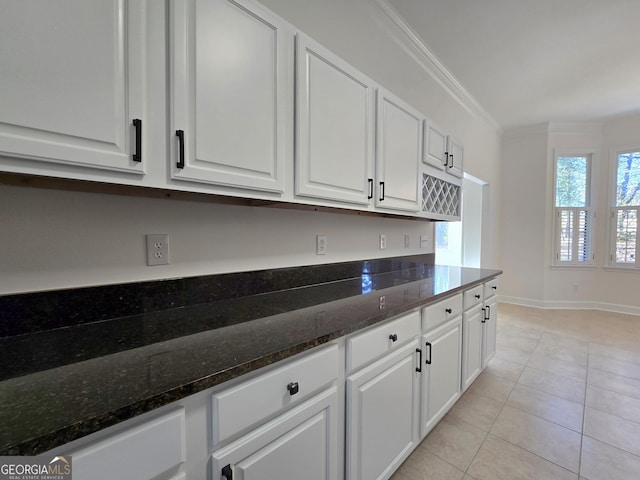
x=321 y=244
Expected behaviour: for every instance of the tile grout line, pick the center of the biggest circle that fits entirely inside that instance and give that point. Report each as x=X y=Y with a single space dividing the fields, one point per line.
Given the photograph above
x=584 y=412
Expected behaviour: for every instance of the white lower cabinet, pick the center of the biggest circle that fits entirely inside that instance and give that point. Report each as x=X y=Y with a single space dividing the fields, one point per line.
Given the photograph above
x=301 y=443
x=442 y=362
x=479 y=329
x=150 y=450
x=489 y=330
x=471 y=345
x=382 y=412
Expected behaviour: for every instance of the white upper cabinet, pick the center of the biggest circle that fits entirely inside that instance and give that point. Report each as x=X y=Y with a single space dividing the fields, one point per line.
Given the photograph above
x=456 y=158
x=436 y=151
x=231 y=94
x=398 y=151
x=72 y=77
x=442 y=151
x=334 y=126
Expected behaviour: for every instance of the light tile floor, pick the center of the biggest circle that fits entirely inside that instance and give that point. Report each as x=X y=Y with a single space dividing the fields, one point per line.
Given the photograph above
x=560 y=400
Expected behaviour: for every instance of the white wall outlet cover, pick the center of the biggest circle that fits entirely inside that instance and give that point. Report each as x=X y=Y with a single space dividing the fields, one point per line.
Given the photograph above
x=383 y=241
x=158 y=249
x=406 y=240
x=424 y=241
x=321 y=244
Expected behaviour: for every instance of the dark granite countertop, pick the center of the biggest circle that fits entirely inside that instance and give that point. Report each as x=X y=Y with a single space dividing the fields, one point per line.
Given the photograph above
x=64 y=379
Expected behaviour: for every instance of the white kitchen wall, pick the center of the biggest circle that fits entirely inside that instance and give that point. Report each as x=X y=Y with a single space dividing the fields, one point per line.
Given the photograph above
x=58 y=239
x=528 y=218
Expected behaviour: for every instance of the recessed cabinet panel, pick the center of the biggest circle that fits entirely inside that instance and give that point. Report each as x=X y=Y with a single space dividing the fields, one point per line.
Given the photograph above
x=140 y=453
x=456 y=158
x=232 y=80
x=489 y=330
x=399 y=148
x=441 y=377
x=301 y=443
x=301 y=453
x=335 y=121
x=471 y=346
x=382 y=415
x=436 y=148
x=72 y=81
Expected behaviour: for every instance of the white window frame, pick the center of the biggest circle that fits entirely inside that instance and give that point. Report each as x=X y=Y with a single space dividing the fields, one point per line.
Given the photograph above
x=613 y=209
x=588 y=208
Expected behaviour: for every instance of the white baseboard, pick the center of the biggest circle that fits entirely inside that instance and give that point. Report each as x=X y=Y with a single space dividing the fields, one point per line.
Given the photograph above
x=561 y=305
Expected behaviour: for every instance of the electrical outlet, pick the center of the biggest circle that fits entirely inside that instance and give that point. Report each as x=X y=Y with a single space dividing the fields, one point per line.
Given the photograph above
x=321 y=245
x=158 y=249
x=383 y=241
x=406 y=240
x=424 y=241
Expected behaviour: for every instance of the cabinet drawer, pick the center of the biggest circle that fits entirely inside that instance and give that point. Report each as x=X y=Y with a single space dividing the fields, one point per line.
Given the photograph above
x=254 y=400
x=140 y=453
x=440 y=312
x=490 y=288
x=472 y=297
x=367 y=346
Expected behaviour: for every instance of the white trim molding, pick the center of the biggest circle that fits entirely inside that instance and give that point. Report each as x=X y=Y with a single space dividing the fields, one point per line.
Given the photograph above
x=569 y=305
x=400 y=30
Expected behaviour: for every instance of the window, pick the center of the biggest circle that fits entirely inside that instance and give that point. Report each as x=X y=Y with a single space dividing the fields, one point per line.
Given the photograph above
x=624 y=214
x=574 y=216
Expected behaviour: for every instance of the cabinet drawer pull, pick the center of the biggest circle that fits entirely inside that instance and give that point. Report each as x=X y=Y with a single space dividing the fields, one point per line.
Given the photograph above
x=448 y=310
x=137 y=155
x=446 y=159
x=478 y=297
x=227 y=472
x=451 y=164
x=370 y=196
x=487 y=313
x=180 y=135
x=484 y=315
x=381 y=191
x=419 y=367
x=428 y=360
x=393 y=337
x=494 y=287
x=293 y=388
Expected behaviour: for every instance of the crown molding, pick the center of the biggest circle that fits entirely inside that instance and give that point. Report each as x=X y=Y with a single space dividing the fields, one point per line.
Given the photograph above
x=415 y=45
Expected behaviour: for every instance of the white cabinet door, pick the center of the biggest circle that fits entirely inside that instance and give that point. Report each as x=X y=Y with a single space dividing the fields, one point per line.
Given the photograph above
x=471 y=346
x=382 y=407
x=456 y=158
x=301 y=443
x=398 y=151
x=489 y=330
x=72 y=82
x=334 y=126
x=436 y=150
x=442 y=362
x=231 y=93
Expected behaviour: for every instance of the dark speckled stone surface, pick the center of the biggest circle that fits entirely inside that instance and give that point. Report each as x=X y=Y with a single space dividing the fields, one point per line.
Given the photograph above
x=66 y=376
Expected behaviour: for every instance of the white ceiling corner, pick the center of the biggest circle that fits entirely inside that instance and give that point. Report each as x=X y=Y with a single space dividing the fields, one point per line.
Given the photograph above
x=429 y=61
x=519 y=63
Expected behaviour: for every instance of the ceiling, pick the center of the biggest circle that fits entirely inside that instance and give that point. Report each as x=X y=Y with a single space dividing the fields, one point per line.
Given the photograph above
x=533 y=61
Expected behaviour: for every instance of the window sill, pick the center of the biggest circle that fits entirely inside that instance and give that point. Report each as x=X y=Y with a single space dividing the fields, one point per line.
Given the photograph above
x=590 y=266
